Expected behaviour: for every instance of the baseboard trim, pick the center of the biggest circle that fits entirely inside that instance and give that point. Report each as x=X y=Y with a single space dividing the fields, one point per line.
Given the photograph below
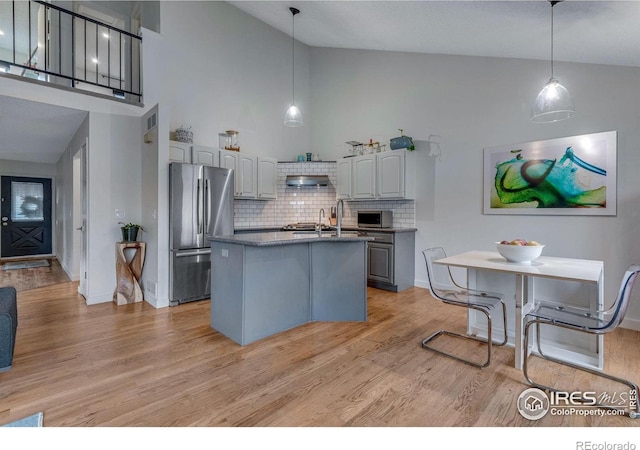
x=631 y=324
x=72 y=277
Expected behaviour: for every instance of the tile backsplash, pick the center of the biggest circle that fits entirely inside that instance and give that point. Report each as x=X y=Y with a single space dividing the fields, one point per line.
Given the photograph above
x=303 y=204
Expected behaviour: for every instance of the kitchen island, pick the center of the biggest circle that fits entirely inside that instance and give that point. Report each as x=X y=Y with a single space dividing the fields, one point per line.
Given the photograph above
x=266 y=283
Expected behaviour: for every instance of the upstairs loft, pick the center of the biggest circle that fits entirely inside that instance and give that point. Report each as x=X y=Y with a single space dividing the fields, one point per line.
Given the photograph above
x=46 y=44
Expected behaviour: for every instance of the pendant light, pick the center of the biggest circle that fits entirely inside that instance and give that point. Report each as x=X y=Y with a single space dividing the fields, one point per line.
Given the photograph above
x=293 y=118
x=553 y=103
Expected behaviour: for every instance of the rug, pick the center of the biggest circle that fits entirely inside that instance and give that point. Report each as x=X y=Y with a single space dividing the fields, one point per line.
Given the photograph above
x=31 y=421
x=25 y=264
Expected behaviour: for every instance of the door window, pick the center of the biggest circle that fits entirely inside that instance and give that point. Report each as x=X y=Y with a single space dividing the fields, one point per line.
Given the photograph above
x=26 y=204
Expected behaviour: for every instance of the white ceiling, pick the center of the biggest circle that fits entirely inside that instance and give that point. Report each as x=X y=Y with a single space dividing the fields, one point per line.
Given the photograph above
x=600 y=32
x=35 y=132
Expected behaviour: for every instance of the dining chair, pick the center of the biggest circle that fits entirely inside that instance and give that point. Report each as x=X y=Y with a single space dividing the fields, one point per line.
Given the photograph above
x=444 y=288
x=585 y=321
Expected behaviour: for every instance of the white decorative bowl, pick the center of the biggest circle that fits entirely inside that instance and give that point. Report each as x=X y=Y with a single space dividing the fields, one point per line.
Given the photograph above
x=519 y=253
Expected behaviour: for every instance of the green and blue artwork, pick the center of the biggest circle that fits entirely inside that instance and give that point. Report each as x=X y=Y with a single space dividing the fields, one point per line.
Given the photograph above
x=562 y=176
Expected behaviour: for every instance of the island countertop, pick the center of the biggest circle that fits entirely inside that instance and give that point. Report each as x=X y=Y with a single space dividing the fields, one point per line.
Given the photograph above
x=287 y=237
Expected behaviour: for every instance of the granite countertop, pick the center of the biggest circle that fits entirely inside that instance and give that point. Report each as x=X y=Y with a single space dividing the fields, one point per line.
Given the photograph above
x=344 y=228
x=380 y=230
x=286 y=237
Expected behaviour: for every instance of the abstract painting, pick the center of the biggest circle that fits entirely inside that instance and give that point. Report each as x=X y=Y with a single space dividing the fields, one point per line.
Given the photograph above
x=574 y=175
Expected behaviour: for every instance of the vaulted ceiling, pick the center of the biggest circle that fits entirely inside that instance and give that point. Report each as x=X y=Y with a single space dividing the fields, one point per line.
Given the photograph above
x=599 y=32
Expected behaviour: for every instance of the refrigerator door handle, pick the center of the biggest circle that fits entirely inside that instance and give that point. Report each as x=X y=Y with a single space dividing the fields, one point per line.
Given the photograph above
x=193 y=253
x=198 y=206
x=207 y=205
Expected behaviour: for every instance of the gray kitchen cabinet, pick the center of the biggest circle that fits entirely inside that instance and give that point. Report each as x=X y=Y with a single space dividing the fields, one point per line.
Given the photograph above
x=391 y=259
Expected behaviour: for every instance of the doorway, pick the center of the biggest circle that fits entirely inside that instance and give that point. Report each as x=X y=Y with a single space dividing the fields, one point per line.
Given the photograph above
x=79 y=215
x=25 y=216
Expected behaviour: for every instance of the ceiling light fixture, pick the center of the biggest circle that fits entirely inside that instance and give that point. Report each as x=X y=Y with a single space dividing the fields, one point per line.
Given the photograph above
x=293 y=118
x=553 y=103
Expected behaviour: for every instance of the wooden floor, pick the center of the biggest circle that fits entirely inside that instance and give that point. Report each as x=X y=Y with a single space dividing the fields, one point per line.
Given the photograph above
x=133 y=365
x=24 y=279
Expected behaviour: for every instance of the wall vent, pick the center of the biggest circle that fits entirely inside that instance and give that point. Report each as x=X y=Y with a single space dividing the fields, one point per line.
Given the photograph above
x=152 y=121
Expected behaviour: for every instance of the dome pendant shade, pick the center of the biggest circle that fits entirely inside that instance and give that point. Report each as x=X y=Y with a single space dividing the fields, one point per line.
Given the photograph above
x=293 y=118
x=552 y=104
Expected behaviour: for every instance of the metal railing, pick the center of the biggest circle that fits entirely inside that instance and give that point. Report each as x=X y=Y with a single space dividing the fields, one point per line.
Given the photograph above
x=42 y=41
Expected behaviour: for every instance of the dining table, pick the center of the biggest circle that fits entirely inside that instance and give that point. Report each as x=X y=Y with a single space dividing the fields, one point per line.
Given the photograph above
x=481 y=268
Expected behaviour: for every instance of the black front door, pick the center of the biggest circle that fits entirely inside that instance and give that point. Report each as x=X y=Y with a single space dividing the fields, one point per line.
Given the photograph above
x=25 y=216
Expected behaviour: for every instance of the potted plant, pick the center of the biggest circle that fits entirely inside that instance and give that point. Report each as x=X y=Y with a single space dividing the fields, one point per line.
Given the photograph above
x=130 y=231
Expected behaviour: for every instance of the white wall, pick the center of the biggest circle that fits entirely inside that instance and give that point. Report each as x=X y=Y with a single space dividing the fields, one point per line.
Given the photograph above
x=216 y=68
x=64 y=226
x=27 y=169
x=149 y=210
x=114 y=165
x=222 y=69
x=472 y=103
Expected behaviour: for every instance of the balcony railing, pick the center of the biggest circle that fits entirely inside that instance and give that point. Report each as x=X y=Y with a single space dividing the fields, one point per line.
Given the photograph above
x=48 y=43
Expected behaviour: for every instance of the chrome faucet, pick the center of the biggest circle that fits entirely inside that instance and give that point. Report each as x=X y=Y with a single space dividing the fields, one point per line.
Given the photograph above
x=320 y=216
x=339 y=214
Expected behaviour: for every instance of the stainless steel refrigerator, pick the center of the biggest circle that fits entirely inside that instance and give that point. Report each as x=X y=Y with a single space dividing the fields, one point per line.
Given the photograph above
x=200 y=205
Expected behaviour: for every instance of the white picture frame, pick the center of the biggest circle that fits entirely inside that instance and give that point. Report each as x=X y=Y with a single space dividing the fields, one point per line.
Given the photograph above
x=573 y=175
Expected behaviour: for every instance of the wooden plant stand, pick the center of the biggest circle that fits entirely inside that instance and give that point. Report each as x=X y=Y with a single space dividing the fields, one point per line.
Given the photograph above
x=128 y=273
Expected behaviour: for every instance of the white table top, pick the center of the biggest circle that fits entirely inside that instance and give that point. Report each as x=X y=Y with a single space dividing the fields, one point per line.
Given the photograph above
x=583 y=270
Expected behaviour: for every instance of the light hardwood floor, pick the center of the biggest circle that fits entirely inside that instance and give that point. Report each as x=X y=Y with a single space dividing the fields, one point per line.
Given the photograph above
x=133 y=365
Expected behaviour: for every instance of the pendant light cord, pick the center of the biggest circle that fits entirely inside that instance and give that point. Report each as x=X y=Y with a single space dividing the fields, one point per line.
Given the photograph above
x=293 y=58
x=552 y=5
x=294 y=11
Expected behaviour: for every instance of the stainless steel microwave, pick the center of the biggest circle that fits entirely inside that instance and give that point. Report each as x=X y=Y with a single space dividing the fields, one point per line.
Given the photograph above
x=375 y=219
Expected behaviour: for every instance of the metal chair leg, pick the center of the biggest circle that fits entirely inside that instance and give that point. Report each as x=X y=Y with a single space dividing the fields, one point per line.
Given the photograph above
x=634 y=413
x=488 y=341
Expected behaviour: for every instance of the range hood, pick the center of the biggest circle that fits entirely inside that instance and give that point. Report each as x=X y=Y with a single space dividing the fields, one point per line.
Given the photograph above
x=307 y=180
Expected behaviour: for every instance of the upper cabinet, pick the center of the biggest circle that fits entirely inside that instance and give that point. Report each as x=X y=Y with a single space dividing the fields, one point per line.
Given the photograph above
x=343 y=188
x=246 y=172
x=179 y=152
x=193 y=154
x=267 y=178
x=255 y=176
x=386 y=175
x=364 y=177
x=207 y=156
x=391 y=179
